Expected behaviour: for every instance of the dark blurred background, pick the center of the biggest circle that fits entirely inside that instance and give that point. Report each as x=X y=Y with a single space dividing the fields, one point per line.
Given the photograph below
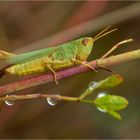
x=26 y=26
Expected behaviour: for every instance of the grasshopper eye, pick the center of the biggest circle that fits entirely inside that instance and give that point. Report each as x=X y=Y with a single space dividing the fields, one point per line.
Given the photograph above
x=85 y=42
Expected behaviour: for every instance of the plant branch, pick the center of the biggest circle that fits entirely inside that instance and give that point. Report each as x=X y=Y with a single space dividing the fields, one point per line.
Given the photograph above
x=40 y=95
x=116 y=46
x=110 y=61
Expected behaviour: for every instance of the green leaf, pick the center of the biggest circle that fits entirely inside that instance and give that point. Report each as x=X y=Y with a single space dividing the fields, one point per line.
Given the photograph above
x=115 y=115
x=111 y=103
x=109 y=82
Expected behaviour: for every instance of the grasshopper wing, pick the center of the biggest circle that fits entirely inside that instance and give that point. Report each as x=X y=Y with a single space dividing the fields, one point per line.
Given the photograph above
x=24 y=57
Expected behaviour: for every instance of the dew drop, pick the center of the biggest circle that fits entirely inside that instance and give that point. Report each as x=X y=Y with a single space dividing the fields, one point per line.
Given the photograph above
x=9 y=102
x=101 y=110
x=92 y=85
x=52 y=101
x=102 y=94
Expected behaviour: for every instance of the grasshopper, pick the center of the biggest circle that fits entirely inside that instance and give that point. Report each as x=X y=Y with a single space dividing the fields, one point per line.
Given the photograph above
x=51 y=59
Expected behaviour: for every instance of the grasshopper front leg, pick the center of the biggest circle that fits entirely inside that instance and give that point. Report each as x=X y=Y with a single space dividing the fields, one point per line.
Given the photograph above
x=83 y=63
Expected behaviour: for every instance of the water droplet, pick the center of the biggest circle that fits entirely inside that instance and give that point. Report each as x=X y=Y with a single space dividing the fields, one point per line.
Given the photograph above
x=92 y=85
x=53 y=100
x=101 y=110
x=101 y=94
x=9 y=102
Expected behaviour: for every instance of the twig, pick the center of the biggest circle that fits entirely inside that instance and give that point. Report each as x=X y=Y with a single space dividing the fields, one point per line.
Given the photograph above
x=110 y=61
x=40 y=95
x=116 y=46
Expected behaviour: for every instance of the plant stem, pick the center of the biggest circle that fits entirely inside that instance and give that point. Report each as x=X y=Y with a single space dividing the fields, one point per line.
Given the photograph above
x=116 y=46
x=110 y=61
x=120 y=58
x=39 y=95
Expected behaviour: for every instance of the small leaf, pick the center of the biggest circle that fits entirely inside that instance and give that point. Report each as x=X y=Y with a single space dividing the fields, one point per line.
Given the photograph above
x=111 y=102
x=111 y=81
x=115 y=115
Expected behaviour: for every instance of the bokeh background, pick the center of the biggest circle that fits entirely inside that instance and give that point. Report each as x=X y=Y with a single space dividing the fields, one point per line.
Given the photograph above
x=26 y=26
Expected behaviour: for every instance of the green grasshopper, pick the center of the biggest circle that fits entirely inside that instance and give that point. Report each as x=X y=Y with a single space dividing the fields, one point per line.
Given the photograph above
x=51 y=59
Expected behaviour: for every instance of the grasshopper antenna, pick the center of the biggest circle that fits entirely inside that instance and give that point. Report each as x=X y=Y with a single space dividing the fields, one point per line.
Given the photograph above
x=103 y=33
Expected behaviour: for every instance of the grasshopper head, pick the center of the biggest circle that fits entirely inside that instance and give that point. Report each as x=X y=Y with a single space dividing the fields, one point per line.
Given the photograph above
x=85 y=48
x=88 y=42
